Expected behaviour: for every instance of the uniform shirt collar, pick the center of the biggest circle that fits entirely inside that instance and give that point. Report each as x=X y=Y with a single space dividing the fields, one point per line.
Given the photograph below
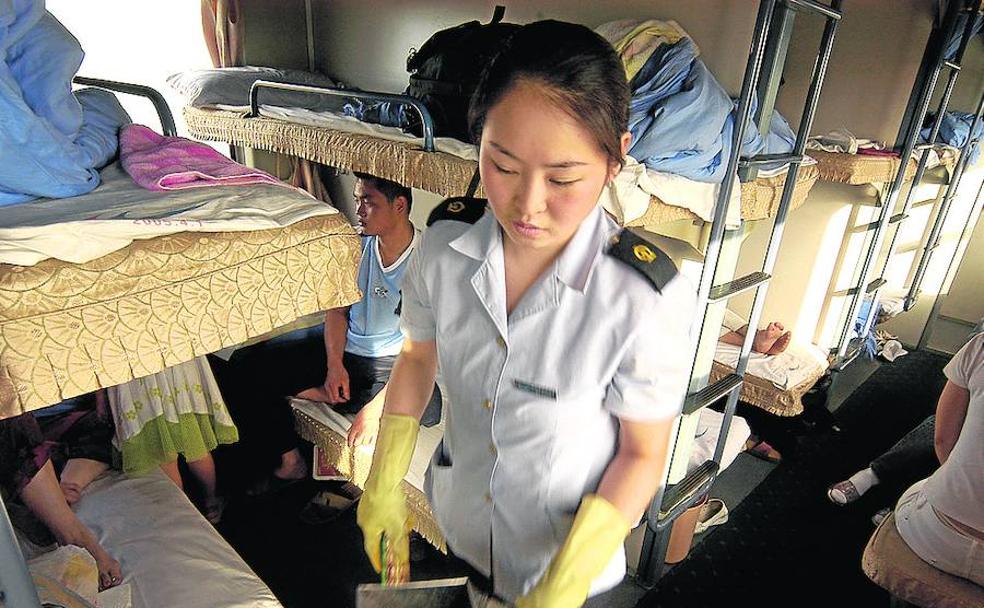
x=576 y=262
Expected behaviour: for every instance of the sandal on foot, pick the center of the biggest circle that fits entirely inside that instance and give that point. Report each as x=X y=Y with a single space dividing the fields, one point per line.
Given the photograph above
x=713 y=513
x=214 y=510
x=843 y=493
x=763 y=451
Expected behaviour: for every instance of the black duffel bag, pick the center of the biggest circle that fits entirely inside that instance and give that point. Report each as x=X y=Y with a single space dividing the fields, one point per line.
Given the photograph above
x=445 y=71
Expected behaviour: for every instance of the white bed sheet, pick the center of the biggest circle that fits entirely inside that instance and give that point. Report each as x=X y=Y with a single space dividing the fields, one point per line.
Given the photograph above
x=427 y=439
x=118 y=212
x=169 y=553
x=785 y=370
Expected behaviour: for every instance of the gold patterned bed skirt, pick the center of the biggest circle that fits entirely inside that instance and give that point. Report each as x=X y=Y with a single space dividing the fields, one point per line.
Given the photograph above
x=68 y=329
x=444 y=174
x=355 y=466
x=765 y=395
x=859 y=169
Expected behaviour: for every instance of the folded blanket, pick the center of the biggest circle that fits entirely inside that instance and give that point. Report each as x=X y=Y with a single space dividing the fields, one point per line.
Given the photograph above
x=682 y=119
x=157 y=162
x=53 y=141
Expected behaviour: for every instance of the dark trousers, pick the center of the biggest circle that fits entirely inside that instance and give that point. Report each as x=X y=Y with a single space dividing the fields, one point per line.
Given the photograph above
x=258 y=380
x=911 y=459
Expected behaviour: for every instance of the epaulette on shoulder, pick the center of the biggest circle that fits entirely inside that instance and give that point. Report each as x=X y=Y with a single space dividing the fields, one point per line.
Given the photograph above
x=644 y=257
x=460 y=208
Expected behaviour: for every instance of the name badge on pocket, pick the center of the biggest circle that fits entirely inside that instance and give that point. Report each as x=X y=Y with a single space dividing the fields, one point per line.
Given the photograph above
x=533 y=389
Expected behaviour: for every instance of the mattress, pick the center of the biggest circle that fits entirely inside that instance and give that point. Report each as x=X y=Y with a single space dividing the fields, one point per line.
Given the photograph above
x=860 y=169
x=328 y=429
x=439 y=172
x=68 y=329
x=759 y=200
x=170 y=555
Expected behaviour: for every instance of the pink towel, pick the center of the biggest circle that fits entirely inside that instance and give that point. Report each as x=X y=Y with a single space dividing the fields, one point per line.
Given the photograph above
x=162 y=163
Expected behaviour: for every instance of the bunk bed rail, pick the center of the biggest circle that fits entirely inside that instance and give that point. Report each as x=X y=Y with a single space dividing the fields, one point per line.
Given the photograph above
x=160 y=105
x=426 y=121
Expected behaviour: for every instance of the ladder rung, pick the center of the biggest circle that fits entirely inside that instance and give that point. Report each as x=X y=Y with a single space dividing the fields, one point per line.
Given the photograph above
x=874 y=285
x=767 y=159
x=732 y=288
x=711 y=393
x=684 y=494
x=840 y=364
x=919 y=147
x=816 y=7
x=898 y=217
x=952 y=65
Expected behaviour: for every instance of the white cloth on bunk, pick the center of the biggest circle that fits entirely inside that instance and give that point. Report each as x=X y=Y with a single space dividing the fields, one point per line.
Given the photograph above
x=706 y=438
x=785 y=370
x=629 y=196
x=841 y=141
x=349 y=124
x=118 y=212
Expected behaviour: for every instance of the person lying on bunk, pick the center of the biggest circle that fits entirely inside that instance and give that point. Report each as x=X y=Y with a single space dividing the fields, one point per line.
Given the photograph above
x=557 y=336
x=940 y=517
x=47 y=458
x=769 y=341
x=345 y=362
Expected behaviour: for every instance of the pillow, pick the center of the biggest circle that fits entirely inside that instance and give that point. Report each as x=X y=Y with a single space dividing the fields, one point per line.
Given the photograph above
x=230 y=87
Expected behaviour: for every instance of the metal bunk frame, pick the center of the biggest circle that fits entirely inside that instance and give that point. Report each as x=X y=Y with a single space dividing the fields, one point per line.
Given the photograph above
x=763 y=71
x=933 y=63
x=16 y=585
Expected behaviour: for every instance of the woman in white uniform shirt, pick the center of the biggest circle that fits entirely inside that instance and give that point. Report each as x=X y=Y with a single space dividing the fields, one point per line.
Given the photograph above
x=562 y=365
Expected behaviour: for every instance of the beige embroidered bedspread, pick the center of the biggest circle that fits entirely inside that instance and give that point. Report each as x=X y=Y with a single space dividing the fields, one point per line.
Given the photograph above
x=68 y=329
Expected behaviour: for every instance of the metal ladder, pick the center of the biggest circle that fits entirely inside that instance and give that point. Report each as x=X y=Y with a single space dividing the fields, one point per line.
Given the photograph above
x=936 y=232
x=773 y=31
x=866 y=287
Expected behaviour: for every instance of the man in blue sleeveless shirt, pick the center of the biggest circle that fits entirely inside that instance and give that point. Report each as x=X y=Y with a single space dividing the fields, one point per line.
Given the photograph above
x=345 y=362
x=363 y=340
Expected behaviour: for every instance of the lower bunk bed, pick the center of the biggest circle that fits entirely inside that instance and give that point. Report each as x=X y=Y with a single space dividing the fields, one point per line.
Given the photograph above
x=170 y=555
x=123 y=282
x=154 y=285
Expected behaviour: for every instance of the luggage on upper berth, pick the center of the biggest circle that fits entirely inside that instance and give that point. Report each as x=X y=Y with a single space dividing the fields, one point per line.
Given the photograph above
x=445 y=71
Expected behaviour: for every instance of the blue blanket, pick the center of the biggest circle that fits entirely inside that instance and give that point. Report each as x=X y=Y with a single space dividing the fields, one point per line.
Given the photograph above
x=955 y=130
x=682 y=120
x=52 y=141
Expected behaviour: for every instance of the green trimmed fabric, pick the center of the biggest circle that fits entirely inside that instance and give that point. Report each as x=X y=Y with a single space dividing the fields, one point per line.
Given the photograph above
x=161 y=441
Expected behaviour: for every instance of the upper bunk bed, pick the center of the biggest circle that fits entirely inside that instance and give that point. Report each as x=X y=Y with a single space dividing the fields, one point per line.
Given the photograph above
x=671 y=174
x=122 y=282
x=440 y=172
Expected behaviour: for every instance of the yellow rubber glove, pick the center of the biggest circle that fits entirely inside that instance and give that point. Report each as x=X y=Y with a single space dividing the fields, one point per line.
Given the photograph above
x=383 y=506
x=599 y=530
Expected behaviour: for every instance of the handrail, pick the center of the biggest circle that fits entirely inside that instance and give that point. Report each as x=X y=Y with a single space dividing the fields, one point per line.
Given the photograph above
x=425 y=117
x=163 y=111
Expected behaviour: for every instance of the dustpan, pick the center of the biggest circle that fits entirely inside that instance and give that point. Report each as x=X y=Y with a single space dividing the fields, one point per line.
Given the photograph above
x=442 y=593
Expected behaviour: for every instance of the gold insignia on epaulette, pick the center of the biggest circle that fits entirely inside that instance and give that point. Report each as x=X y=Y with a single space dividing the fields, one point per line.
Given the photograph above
x=456 y=207
x=644 y=254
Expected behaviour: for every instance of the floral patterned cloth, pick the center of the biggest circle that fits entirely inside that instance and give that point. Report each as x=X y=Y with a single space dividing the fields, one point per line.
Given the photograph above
x=177 y=411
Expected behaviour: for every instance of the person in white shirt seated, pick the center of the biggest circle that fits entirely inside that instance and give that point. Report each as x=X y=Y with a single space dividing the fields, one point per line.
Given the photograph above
x=941 y=518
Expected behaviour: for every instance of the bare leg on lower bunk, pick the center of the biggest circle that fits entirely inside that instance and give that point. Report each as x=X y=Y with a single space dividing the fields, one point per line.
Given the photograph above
x=44 y=498
x=173 y=472
x=77 y=474
x=204 y=471
x=771 y=341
